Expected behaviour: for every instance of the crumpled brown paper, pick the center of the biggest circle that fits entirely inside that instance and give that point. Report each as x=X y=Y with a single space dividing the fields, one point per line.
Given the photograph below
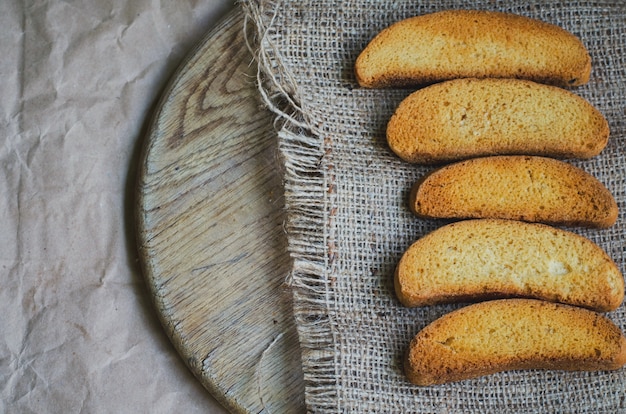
x=78 y=80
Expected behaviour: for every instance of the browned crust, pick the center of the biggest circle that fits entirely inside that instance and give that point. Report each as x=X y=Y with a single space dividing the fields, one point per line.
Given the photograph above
x=526 y=188
x=471 y=117
x=525 y=48
x=434 y=269
x=513 y=334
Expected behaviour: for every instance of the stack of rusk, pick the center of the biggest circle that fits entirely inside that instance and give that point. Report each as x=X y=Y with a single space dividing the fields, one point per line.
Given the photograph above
x=495 y=116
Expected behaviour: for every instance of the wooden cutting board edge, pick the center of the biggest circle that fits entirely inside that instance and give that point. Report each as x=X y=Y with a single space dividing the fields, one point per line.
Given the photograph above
x=276 y=345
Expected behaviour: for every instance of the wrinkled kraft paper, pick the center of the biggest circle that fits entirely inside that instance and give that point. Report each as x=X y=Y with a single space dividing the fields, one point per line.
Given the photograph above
x=348 y=218
x=78 y=80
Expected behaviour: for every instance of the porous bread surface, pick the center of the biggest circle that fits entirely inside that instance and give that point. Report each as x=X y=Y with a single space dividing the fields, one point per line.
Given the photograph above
x=486 y=259
x=527 y=188
x=465 y=118
x=470 y=43
x=510 y=334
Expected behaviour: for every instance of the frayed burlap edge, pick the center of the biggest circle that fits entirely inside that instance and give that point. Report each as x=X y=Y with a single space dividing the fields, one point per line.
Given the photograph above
x=308 y=161
x=308 y=196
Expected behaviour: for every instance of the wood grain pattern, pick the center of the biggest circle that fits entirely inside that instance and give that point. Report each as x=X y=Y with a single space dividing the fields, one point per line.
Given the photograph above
x=212 y=246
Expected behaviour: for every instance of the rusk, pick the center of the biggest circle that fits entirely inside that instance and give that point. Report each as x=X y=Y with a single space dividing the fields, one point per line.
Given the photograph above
x=527 y=188
x=486 y=259
x=513 y=334
x=466 y=118
x=470 y=43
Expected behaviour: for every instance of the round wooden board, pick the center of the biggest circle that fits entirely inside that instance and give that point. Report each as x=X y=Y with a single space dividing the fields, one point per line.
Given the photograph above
x=211 y=241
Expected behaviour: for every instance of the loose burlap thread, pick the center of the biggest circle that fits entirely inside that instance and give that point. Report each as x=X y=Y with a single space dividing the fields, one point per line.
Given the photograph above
x=347 y=217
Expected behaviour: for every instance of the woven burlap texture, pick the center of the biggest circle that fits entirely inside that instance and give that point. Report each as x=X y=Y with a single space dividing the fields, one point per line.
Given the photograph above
x=348 y=222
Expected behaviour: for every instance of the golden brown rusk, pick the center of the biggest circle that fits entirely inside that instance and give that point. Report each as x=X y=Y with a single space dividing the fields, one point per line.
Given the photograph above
x=469 y=43
x=482 y=259
x=465 y=118
x=513 y=334
x=526 y=188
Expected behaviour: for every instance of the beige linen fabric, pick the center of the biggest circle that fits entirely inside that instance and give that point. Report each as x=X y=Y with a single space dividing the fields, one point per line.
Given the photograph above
x=348 y=221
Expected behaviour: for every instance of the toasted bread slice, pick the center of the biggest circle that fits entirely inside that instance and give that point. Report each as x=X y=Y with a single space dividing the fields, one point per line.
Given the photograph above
x=486 y=259
x=470 y=43
x=513 y=334
x=466 y=118
x=527 y=188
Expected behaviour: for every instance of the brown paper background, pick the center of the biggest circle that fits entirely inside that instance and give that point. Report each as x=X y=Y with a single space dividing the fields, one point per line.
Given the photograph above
x=77 y=82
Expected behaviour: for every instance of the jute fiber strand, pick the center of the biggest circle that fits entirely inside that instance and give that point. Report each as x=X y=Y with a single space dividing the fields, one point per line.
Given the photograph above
x=348 y=219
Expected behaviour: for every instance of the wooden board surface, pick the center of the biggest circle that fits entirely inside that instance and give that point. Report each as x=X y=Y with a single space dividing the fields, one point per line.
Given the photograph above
x=211 y=241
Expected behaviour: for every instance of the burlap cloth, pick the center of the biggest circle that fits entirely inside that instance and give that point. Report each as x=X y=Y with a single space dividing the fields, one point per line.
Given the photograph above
x=348 y=221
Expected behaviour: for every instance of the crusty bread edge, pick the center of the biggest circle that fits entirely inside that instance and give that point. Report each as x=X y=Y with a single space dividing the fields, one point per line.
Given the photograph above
x=439 y=158
x=609 y=221
x=618 y=361
x=598 y=306
x=392 y=80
